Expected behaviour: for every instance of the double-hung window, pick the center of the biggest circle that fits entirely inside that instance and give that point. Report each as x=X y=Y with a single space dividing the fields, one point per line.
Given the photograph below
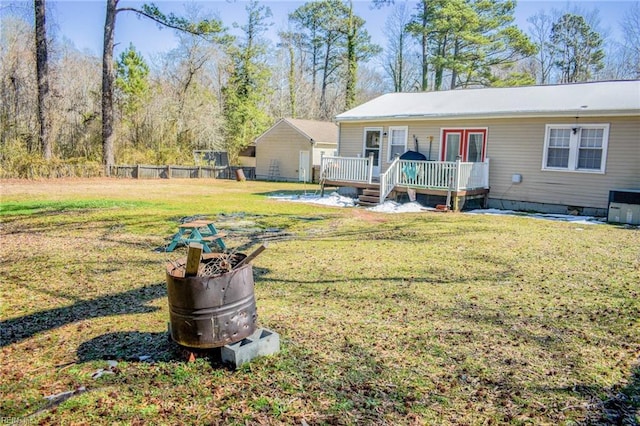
x=397 y=141
x=576 y=148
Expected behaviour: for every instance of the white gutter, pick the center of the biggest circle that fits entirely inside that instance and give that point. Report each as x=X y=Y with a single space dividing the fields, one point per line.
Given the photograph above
x=523 y=114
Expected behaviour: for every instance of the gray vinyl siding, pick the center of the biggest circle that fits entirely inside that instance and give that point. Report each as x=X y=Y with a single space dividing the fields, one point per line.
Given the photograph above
x=351 y=137
x=518 y=148
x=515 y=146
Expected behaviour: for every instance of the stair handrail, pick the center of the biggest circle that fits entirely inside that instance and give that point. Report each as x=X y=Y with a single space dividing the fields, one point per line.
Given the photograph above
x=389 y=179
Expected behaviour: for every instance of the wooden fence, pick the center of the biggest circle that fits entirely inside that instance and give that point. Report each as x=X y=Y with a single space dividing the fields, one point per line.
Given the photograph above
x=140 y=171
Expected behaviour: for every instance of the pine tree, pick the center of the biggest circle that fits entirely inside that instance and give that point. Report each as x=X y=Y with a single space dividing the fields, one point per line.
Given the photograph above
x=132 y=79
x=247 y=90
x=470 y=42
x=577 y=48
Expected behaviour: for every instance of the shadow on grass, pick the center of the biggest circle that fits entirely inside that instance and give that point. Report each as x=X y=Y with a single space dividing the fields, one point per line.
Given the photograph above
x=360 y=391
x=135 y=346
x=129 y=346
x=617 y=405
x=128 y=302
x=622 y=404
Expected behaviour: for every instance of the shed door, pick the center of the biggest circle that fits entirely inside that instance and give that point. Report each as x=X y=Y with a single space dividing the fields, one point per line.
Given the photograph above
x=303 y=168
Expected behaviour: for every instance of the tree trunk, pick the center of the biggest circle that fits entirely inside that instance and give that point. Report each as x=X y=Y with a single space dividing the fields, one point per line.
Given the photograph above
x=314 y=71
x=439 y=67
x=352 y=64
x=325 y=83
x=425 y=49
x=399 y=83
x=108 y=136
x=454 y=71
x=292 y=81
x=42 y=74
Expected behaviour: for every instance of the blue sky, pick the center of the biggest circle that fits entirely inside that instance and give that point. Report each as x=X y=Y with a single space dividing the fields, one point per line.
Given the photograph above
x=82 y=21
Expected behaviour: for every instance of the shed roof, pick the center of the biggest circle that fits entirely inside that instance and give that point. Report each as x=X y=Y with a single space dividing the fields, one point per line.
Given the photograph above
x=315 y=131
x=583 y=99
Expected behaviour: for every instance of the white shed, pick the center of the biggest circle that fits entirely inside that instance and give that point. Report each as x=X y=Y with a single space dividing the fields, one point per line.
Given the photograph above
x=290 y=149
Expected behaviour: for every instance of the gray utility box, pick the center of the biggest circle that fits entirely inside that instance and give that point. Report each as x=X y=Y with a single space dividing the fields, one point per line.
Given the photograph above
x=624 y=206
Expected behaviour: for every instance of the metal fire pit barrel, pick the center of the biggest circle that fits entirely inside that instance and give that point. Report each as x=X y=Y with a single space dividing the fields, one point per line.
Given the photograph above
x=211 y=311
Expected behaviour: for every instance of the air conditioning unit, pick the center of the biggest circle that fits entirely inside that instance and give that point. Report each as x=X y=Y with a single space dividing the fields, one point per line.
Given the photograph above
x=624 y=206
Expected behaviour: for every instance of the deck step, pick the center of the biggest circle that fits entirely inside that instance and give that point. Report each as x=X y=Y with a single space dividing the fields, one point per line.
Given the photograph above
x=368 y=199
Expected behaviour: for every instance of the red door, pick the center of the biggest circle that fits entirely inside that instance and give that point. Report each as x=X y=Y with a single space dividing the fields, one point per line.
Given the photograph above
x=467 y=144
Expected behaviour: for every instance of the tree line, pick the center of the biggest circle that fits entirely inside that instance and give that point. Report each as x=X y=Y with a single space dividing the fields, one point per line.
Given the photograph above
x=219 y=91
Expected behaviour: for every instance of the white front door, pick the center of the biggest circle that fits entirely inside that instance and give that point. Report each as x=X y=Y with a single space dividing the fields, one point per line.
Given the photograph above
x=372 y=145
x=303 y=168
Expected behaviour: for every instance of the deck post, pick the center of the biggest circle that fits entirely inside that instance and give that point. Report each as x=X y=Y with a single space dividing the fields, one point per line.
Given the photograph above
x=370 y=172
x=458 y=162
x=486 y=174
x=456 y=203
x=321 y=177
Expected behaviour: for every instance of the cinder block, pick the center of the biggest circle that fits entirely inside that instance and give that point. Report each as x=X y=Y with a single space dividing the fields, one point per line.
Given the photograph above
x=261 y=342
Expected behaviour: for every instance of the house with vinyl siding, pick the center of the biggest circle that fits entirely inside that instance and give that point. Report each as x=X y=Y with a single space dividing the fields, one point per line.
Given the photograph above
x=292 y=148
x=556 y=148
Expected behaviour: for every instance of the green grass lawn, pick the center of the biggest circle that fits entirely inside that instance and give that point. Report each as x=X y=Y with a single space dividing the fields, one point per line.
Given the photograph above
x=424 y=318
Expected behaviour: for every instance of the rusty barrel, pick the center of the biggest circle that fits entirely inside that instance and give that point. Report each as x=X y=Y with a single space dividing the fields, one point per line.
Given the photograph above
x=211 y=311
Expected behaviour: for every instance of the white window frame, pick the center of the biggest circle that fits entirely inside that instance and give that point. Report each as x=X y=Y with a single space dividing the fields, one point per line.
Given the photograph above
x=389 y=139
x=574 y=147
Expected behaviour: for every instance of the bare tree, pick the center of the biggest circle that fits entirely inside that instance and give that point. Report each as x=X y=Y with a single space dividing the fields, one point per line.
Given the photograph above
x=397 y=62
x=420 y=28
x=206 y=27
x=631 y=44
x=540 y=33
x=289 y=40
x=190 y=94
x=18 y=86
x=76 y=105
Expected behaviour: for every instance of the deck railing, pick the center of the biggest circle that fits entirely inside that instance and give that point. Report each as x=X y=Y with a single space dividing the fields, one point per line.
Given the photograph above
x=346 y=169
x=423 y=174
x=443 y=174
x=389 y=179
x=473 y=175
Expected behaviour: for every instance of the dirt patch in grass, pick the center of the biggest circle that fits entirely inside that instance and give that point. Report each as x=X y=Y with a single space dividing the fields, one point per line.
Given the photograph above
x=421 y=318
x=369 y=217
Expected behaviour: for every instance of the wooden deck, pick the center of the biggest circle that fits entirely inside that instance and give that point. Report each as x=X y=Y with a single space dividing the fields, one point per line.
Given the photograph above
x=457 y=181
x=458 y=198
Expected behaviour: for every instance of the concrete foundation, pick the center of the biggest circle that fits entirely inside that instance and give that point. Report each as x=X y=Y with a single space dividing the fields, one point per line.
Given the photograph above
x=261 y=342
x=546 y=208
